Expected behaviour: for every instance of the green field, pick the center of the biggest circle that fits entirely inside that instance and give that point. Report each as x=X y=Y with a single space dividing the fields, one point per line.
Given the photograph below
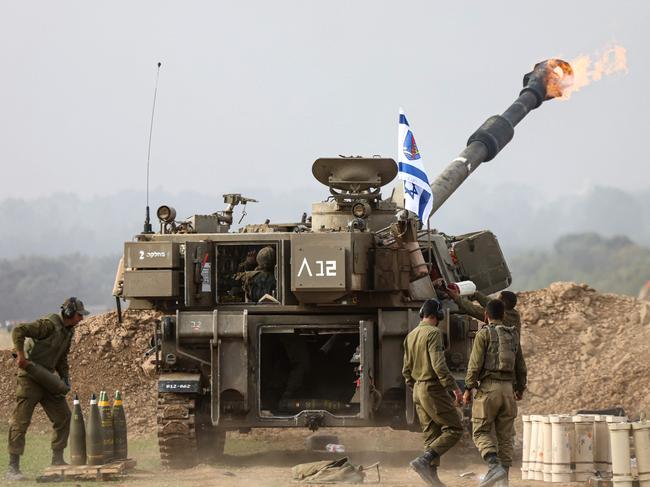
x=38 y=455
x=144 y=449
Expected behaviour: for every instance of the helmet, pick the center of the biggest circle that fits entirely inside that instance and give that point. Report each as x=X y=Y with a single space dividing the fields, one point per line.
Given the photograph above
x=266 y=258
x=432 y=307
x=72 y=306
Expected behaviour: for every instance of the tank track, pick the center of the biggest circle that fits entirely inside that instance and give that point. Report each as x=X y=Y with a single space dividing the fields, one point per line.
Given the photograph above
x=177 y=439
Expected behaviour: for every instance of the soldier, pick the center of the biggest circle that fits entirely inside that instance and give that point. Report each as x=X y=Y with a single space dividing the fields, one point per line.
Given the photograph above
x=426 y=372
x=249 y=263
x=509 y=299
x=498 y=370
x=236 y=280
x=261 y=281
x=47 y=343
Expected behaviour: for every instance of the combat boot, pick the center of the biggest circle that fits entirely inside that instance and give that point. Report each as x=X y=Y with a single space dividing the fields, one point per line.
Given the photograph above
x=495 y=471
x=426 y=471
x=57 y=458
x=13 y=472
x=504 y=481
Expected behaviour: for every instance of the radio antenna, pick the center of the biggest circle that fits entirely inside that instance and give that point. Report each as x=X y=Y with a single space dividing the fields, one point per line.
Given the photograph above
x=147 y=221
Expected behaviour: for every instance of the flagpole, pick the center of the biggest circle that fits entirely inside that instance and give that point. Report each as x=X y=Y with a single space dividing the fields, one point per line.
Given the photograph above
x=429 y=240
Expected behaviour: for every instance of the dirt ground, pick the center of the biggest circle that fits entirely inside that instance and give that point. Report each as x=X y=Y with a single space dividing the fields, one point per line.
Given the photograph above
x=276 y=451
x=265 y=457
x=282 y=449
x=392 y=475
x=5 y=340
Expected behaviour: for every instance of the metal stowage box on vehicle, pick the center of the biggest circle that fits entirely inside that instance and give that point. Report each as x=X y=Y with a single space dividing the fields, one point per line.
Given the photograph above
x=482 y=262
x=159 y=283
x=151 y=255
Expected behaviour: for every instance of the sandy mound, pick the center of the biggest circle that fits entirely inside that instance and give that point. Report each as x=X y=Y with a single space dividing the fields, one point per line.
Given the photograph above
x=584 y=350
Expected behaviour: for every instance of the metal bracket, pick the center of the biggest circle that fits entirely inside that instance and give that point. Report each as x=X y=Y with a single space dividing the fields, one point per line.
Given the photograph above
x=314 y=420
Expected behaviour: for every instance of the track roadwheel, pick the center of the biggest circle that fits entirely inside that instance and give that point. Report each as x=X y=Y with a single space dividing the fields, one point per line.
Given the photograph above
x=177 y=439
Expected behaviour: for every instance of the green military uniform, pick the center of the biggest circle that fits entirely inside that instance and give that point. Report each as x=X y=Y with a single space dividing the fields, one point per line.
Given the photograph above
x=257 y=283
x=497 y=369
x=261 y=281
x=248 y=264
x=511 y=317
x=47 y=343
x=425 y=370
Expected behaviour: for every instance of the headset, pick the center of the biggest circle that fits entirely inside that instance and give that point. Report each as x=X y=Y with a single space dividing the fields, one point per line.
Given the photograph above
x=69 y=308
x=432 y=307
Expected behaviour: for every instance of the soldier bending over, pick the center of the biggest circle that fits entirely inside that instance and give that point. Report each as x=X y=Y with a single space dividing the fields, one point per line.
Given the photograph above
x=48 y=345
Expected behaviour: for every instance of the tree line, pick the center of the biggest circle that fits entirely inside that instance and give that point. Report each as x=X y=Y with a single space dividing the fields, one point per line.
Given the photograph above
x=615 y=264
x=31 y=286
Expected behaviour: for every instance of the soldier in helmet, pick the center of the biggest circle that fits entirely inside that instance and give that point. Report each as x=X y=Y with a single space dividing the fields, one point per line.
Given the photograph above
x=45 y=342
x=249 y=263
x=261 y=281
x=426 y=372
x=498 y=371
x=510 y=318
x=236 y=281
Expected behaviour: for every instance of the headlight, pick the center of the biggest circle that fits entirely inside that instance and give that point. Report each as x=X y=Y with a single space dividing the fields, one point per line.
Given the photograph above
x=166 y=214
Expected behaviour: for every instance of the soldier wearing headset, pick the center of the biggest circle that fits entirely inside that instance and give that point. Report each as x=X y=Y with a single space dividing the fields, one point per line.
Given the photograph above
x=46 y=342
x=425 y=372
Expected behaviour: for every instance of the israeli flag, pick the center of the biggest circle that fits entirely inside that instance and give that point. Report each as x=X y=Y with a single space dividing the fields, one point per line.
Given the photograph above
x=417 y=192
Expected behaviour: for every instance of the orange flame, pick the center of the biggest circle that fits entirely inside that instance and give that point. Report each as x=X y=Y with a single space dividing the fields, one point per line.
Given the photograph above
x=590 y=68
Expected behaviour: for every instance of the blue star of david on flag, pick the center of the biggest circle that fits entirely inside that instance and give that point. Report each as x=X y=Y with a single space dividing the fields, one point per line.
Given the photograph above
x=411 y=192
x=417 y=192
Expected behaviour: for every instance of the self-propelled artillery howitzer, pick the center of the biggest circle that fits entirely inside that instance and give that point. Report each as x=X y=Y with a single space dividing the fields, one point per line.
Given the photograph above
x=302 y=324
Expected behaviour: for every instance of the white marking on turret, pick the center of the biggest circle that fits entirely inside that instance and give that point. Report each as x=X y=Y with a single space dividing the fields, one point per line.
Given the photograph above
x=304 y=265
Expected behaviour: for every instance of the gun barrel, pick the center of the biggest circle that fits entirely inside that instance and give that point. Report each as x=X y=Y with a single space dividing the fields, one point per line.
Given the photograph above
x=548 y=80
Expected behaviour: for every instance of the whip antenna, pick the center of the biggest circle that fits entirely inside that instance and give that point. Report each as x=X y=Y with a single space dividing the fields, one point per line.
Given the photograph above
x=147 y=222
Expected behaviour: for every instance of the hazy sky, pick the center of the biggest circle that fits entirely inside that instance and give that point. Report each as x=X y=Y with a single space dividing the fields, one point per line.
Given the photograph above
x=252 y=92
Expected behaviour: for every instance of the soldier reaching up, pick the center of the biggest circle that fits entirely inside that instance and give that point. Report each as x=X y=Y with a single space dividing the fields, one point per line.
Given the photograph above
x=511 y=315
